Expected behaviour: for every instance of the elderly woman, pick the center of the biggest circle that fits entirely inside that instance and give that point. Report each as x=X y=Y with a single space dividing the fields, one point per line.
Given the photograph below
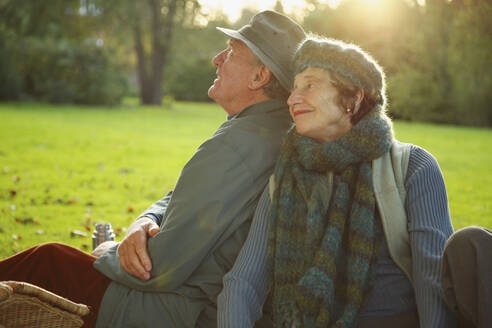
x=351 y=230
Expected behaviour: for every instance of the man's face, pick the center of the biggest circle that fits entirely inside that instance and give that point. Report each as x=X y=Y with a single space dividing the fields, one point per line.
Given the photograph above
x=236 y=67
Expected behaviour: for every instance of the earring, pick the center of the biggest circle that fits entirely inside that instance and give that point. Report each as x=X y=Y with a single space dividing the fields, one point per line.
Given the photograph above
x=348 y=110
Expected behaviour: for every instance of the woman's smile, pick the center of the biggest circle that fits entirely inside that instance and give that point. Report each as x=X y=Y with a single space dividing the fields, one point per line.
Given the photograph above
x=301 y=111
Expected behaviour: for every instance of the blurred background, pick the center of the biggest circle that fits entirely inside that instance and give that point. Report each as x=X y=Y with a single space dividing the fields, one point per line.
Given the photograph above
x=437 y=54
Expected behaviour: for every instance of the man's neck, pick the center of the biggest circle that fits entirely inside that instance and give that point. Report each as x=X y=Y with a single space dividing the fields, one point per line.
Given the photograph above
x=238 y=107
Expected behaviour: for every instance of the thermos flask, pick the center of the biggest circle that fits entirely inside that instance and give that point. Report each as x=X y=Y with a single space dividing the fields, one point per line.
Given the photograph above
x=103 y=233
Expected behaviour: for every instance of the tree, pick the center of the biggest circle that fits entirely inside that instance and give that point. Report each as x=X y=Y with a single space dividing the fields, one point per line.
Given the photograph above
x=189 y=70
x=436 y=57
x=52 y=52
x=449 y=78
x=56 y=19
x=152 y=24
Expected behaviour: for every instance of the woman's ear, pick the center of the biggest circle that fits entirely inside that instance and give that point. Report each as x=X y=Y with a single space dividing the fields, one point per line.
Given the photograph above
x=359 y=96
x=261 y=78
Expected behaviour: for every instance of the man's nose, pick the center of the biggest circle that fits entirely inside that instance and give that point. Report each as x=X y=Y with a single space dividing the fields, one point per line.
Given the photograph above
x=219 y=58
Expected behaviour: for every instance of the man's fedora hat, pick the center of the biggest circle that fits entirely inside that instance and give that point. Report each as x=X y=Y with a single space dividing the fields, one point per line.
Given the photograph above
x=274 y=39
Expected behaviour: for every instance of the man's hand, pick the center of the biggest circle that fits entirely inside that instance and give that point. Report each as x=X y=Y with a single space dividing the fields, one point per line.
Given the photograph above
x=103 y=247
x=134 y=257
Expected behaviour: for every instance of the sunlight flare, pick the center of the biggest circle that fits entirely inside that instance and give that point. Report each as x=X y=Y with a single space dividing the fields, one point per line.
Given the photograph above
x=232 y=9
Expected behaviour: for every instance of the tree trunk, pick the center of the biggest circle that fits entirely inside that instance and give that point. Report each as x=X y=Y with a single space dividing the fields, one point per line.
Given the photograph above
x=142 y=63
x=151 y=66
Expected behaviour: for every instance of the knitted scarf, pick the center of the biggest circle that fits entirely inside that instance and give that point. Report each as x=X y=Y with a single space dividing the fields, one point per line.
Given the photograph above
x=322 y=251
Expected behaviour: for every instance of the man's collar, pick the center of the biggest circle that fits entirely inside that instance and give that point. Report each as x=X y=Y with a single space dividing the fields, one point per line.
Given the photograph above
x=259 y=108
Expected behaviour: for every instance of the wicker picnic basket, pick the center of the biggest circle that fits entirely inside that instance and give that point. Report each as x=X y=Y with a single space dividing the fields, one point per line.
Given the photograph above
x=26 y=305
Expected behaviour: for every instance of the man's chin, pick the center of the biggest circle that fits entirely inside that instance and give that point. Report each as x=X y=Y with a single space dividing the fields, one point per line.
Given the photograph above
x=211 y=93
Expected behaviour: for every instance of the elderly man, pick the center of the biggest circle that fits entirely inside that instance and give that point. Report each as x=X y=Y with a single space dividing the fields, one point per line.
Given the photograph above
x=195 y=233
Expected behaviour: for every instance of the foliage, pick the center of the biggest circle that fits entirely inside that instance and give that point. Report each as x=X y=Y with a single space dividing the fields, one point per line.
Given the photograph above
x=61 y=72
x=10 y=81
x=452 y=78
x=50 y=53
x=57 y=19
x=436 y=57
x=80 y=172
x=190 y=72
x=471 y=63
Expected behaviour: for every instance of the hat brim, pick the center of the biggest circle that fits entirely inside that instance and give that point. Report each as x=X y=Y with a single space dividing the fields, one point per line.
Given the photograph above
x=265 y=59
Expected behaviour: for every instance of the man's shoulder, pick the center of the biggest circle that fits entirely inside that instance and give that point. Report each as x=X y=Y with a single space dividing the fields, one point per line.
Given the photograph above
x=260 y=122
x=254 y=140
x=255 y=133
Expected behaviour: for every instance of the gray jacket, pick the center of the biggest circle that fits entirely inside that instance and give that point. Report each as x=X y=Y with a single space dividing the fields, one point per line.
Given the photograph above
x=203 y=227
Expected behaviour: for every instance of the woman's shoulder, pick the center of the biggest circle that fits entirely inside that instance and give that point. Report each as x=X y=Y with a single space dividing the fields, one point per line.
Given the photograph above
x=421 y=161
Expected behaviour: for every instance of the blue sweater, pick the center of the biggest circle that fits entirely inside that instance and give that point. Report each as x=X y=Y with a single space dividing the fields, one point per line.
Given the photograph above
x=429 y=225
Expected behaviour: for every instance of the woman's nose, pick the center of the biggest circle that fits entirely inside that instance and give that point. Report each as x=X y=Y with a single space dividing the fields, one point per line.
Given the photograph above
x=293 y=98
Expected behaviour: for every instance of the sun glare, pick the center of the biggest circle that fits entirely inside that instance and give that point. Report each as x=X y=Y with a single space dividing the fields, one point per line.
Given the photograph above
x=233 y=8
x=333 y=3
x=373 y=2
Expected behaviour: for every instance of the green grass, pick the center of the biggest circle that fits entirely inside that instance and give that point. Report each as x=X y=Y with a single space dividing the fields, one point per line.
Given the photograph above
x=65 y=168
x=71 y=167
x=465 y=157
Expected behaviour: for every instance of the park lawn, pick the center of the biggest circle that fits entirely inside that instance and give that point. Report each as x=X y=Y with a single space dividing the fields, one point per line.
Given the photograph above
x=65 y=168
x=70 y=167
x=465 y=156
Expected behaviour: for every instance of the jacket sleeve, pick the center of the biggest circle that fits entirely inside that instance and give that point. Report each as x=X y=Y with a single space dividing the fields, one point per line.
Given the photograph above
x=245 y=286
x=214 y=188
x=429 y=226
x=156 y=211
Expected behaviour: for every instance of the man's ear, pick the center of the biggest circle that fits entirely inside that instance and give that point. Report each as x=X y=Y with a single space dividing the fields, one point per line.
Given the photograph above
x=261 y=77
x=359 y=96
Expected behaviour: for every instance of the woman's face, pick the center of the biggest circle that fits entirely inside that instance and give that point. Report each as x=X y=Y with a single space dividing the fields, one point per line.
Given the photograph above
x=314 y=106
